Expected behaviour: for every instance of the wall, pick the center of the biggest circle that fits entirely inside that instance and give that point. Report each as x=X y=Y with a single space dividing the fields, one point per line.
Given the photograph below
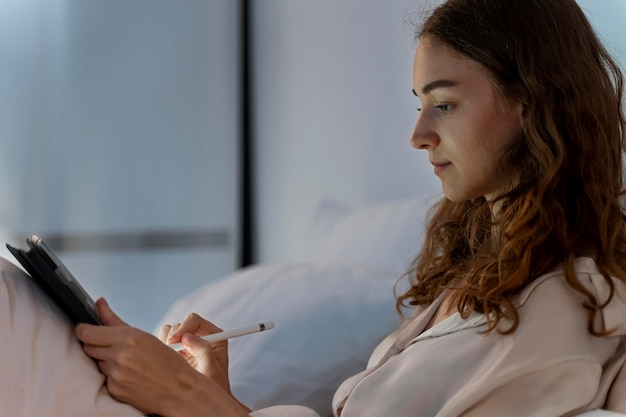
x=334 y=111
x=119 y=124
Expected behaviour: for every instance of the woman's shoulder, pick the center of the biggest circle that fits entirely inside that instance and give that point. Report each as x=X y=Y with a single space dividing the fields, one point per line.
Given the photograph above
x=552 y=291
x=588 y=275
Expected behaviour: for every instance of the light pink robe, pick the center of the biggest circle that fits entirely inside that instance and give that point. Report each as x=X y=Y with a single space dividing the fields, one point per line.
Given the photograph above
x=551 y=366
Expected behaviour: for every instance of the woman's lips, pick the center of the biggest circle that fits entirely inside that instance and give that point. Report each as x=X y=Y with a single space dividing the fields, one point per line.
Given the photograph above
x=440 y=167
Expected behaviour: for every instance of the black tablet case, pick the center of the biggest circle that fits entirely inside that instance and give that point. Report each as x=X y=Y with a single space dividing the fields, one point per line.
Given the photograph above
x=63 y=289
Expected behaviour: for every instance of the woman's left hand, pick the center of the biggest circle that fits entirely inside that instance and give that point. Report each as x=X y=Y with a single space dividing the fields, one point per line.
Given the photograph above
x=210 y=359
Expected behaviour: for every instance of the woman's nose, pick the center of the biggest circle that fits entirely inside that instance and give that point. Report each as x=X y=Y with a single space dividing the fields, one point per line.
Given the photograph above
x=423 y=136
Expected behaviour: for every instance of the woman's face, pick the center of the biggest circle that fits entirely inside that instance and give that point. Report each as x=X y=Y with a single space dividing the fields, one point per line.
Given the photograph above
x=463 y=121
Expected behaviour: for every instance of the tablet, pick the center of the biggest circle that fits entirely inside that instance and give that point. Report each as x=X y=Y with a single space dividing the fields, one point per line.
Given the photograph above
x=49 y=273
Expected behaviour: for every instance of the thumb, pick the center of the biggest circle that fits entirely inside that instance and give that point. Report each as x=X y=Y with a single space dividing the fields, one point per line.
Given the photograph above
x=195 y=345
x=107 y=316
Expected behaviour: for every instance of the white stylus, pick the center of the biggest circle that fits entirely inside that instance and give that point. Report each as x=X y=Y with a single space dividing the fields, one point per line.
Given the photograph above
x=229 y=334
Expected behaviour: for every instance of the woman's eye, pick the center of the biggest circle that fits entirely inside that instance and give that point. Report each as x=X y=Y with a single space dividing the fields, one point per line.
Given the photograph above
x=445 y=108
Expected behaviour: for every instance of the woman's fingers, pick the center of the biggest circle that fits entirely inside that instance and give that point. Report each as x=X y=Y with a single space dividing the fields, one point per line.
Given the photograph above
x=102 y=335
x=173 y=329
x=195 y=345
x=164 y=332
x=106 y=314
x=193 y=324
x=210 y=359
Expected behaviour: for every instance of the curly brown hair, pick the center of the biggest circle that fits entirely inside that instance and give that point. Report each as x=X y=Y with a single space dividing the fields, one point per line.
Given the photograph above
x=569 y=159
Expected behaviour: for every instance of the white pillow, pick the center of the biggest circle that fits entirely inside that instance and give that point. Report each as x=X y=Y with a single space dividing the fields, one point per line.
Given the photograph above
x=328 y=214
x=328 y=320
x=386 y=235
x=44 y=369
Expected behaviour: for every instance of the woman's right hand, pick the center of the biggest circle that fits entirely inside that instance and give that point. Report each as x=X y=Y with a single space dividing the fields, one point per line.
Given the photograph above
x=139 y=370
x=210 y=359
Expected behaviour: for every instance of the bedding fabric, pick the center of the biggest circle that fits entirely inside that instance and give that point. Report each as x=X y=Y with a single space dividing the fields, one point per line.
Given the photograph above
x=44 y=370
x=453 y=370
x=384 y=236
x=329 y=317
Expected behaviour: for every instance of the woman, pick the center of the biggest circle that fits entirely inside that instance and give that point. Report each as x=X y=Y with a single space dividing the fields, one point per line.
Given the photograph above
x=519 y=291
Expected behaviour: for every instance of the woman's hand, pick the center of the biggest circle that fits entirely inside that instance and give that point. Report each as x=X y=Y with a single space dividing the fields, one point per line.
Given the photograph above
x=143 y=372
x=210 y=359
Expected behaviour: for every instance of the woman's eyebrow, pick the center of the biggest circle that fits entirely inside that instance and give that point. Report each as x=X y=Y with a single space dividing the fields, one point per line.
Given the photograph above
x=436 y=84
